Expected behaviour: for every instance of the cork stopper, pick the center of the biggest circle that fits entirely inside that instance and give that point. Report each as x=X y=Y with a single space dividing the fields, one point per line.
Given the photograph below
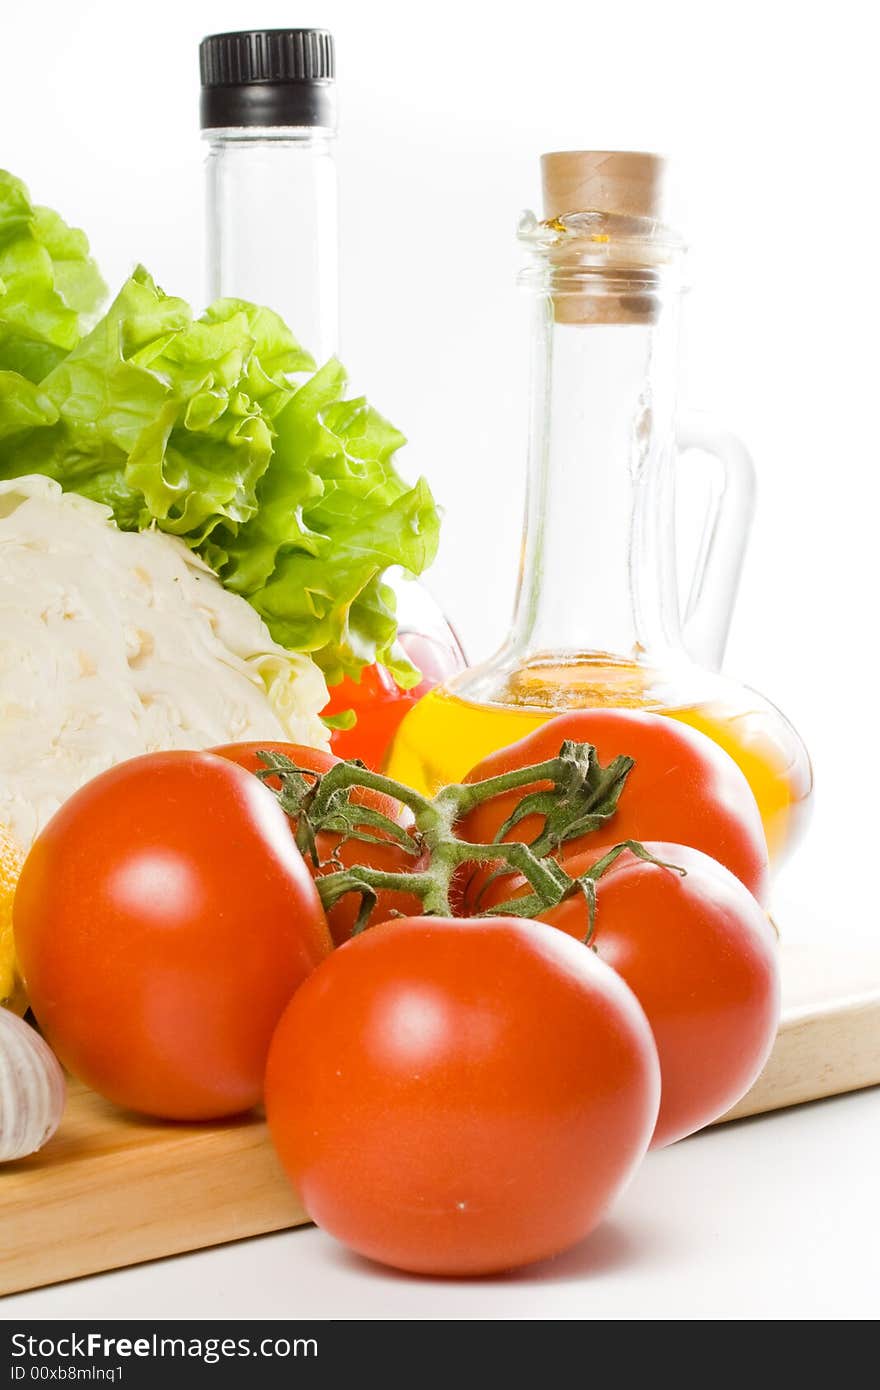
x=616 y=184
x=622 y=182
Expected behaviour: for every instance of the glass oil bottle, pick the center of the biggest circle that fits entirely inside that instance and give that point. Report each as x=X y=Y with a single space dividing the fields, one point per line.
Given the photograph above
x=598 y=621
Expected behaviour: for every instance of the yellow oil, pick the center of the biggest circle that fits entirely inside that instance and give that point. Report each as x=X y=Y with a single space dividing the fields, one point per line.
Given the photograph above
x=445 y=735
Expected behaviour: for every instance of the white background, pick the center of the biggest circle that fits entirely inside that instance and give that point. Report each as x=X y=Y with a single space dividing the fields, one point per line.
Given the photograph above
x=770 y=111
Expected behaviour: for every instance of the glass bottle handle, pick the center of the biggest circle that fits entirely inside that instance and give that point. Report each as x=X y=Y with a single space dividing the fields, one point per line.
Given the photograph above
x=712 y=593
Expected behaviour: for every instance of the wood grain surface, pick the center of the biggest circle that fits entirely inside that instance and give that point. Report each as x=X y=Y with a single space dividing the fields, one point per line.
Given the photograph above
x=112 y=1189
x=829 y=1038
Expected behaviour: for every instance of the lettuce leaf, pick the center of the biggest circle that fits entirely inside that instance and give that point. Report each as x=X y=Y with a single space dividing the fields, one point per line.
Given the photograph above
x=216 y=429
x=48 y=282
x=22 y=405
x=334 y=515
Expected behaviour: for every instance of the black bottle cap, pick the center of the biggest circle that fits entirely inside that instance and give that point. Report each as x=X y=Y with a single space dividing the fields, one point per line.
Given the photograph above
x=268 y=77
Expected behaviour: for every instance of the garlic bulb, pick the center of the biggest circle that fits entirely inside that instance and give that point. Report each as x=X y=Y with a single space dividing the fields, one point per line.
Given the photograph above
x=32 y=1089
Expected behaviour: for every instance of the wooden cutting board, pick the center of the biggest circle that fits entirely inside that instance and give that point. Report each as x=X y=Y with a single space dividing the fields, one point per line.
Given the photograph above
x=829 y=1037
x=112 y=1189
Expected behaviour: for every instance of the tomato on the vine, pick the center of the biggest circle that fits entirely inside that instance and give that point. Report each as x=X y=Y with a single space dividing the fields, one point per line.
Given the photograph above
x=460 y=1097
x=683 y=789
x=164 y=918
x=333 y=851
x=699 y=954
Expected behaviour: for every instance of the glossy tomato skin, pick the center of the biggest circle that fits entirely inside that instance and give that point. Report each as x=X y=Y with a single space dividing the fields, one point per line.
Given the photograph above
x=683 y=789
x=332 y=851
x=164 y=919
x=317 y=760
x=247 y=755
x=700 y=955
x=461 y=1097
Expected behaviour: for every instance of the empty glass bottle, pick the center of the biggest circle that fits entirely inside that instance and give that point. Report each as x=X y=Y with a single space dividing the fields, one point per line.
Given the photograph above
x=269 y=119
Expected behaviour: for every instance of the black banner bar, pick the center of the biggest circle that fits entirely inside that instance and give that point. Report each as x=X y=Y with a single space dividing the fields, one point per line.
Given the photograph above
x=272 y=1353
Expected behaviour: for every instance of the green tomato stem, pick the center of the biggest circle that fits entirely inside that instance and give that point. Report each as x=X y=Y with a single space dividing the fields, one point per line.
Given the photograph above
x=346 y=775
x=573 y=793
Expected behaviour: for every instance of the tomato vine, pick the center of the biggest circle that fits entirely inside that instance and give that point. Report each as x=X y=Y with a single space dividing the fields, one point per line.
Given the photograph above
x=573 y=793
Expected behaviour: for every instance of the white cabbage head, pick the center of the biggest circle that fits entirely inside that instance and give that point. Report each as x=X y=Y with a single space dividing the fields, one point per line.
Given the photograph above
x=115 y=643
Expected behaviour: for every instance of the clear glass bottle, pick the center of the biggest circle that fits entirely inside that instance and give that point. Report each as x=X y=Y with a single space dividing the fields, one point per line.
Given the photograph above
x=598 y=620
x=269 y=119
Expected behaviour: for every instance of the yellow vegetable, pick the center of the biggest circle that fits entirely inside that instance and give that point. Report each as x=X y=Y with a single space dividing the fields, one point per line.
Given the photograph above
x=11 y=859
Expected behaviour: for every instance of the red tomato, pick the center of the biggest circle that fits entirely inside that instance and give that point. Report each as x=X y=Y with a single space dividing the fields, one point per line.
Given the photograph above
x=380 y=704
x=461 y=1097
x=683 y=789
x=700 y=956
x=315 y=760
x=332 y=850
x=164 y=918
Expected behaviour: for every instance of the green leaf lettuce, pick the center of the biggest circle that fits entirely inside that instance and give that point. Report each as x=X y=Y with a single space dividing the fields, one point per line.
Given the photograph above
x=48 y=282
x=216 y=429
